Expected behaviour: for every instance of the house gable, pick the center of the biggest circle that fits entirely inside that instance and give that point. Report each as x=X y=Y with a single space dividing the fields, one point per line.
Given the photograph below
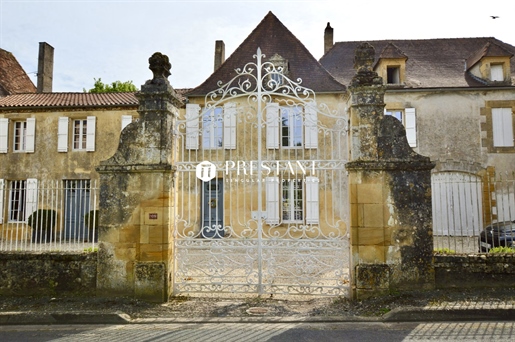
x=272 y=37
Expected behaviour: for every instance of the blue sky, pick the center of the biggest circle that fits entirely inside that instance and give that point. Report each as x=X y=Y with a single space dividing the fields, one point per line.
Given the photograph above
x=114 y=39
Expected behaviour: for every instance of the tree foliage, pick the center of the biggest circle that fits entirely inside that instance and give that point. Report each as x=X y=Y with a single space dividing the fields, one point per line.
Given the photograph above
x=114 y=87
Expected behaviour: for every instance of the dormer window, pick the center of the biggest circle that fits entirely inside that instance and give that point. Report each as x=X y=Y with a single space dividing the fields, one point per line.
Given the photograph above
x=393 y=75
x=279 y=70
x=496 y=73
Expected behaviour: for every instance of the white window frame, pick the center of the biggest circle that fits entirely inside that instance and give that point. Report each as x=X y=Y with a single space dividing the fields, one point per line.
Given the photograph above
x=502 y=127
x=294 y=127
x=213 y=128
x=276 y=208
x=409 y=119
x=16 y=207
x=292 y=207
x=24 y=135
x=80 y=134
x=84 y=138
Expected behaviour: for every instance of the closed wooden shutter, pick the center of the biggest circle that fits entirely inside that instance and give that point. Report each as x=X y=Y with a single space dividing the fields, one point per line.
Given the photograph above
x=31 y=200
x=272 y=126
x=272 y=200
x=411 y=126
x=90 y=136
x=4 y=133
x=126 y=120
x=62 y=134
x=312 y=200
x=502 y=126
x=192 y=126
x=310 y=126
x=30 y=137
x=2 y=186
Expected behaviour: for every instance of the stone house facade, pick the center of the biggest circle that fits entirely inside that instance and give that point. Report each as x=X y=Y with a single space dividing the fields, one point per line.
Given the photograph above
x=57 y=137
x=455 y=98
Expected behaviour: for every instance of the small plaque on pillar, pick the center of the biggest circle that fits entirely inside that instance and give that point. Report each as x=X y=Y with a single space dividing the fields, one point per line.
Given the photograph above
x=152 y=216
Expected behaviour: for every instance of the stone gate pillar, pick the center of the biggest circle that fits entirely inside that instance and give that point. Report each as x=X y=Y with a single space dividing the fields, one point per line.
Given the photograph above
x=137 y=194
x=390 y=194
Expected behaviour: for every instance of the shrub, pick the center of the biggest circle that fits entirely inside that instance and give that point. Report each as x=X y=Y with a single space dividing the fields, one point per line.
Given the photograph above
x=42 y=222
x=502 y=249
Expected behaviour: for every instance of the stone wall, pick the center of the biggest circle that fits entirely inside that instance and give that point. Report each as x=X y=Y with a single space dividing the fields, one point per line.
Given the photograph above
x=41 y=274
x=475 y=271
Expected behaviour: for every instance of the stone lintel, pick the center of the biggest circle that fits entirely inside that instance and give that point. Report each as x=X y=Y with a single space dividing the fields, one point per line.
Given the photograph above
x=389 y=165
x=151 y=168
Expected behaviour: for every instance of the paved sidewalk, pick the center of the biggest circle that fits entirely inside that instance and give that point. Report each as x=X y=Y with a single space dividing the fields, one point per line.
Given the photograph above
x=439 y=305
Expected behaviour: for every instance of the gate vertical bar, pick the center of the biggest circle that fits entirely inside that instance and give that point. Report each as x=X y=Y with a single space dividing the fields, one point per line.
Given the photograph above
x=260 y=186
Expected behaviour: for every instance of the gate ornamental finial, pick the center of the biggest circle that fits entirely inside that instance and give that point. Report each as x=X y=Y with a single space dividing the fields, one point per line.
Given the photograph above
x=160 y=65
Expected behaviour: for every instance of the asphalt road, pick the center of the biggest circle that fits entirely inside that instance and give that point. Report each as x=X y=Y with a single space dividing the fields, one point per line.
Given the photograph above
x=298 y=332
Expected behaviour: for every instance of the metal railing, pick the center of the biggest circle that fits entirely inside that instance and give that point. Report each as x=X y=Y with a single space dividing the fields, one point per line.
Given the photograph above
x=48 y=215
x=466 y=205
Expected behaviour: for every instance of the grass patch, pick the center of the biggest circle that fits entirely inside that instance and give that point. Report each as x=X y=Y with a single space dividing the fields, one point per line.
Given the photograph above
x=502 y=249
x=444 y=251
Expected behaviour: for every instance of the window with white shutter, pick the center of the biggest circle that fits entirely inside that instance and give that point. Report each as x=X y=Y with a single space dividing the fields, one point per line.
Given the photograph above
x=496 y=72
x=291 y=126
x=310 y=126
x=62 y=134
x=272 y=200
x=502 y=127
x=126 y=120
x=31 y=199
x=90 y=136
x=30 y=138
x=17 y=200
x=2 y=184
x=272 y=126
x=230 y=125
x=312 y=200
x=411 y=126
x=4 y=133
x=192 y=126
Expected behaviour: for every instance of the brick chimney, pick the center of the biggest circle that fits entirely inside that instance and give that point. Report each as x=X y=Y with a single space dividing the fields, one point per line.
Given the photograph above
x=328 y=38
x=219 y=53
x=45 y=68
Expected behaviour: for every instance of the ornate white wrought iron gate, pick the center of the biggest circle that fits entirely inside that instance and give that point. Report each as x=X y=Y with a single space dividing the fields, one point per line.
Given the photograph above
x=261 y=189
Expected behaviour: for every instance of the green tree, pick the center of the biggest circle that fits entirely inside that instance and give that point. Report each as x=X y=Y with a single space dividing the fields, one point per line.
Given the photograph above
x=114 y=87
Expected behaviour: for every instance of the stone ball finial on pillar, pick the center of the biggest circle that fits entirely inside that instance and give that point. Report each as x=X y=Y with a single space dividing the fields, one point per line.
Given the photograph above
x=363 y=62
x=364 y=57
x=160 y=65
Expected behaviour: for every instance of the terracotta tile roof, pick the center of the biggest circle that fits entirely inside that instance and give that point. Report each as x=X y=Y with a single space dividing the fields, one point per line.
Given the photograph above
x=273 y=38
x=69 y=100
x=431 y=63
x=13 y=79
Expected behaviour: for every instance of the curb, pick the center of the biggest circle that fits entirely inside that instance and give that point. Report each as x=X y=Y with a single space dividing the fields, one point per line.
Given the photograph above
x=449 y=314
x=16 y=318
x=408 y=314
